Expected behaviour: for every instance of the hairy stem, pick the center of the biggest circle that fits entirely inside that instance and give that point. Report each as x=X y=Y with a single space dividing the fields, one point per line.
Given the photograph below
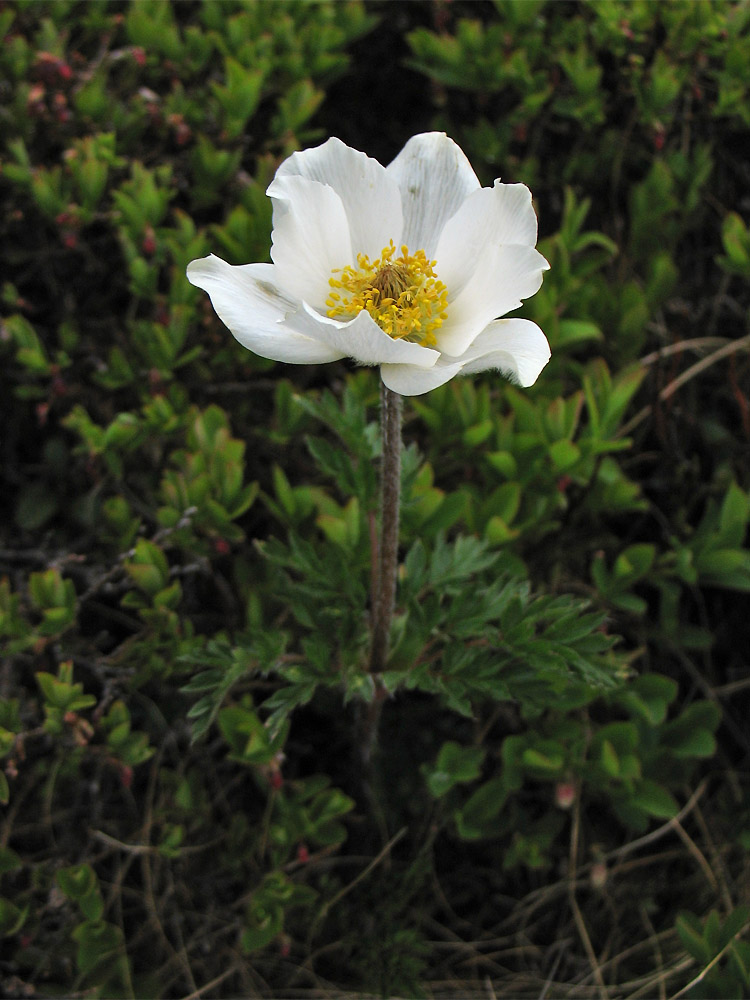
x=385 y=564
x=387 y=556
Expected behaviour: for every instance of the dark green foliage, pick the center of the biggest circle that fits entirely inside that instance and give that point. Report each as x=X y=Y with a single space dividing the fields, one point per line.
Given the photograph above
x=558 y=804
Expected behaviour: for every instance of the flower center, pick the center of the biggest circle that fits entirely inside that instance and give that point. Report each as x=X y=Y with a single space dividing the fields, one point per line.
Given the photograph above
x=403 y=296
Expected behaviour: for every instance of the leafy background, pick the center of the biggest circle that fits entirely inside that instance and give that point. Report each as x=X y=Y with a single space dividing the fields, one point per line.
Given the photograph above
x=558 y=804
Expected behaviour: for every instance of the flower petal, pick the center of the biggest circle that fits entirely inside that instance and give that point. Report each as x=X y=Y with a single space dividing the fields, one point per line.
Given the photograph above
x=434 y=177
x=248 y=301
x=370 y=195
x=310 y=236
x=361 y=339
x=490 y=217
x=411 y=381
x=502 y=277
x=516 y=346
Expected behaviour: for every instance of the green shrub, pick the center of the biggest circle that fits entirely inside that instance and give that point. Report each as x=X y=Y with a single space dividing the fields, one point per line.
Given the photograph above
x=185 y=561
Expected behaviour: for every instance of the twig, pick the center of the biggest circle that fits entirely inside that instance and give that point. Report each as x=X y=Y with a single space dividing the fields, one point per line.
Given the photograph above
x=577 y=915
x=696 y=344
x=134 y=849
x=658 y=956
x=660 y=831
x=704 y=972
x=686 y=376
x=214 y=982
x=696 y=852
x=359 y=878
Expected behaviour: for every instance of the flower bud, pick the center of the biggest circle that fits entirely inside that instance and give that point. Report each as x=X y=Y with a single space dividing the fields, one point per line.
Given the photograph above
x=565 y=794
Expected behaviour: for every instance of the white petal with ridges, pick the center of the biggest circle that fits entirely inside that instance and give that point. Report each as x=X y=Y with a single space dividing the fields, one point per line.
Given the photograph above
x=310 y=236
x=435 y=178
x=410 y=381
x=250 y=304
x=488 y=218
x=360 y=339
x=502 y=277
x=369 y=194
x=516 y=346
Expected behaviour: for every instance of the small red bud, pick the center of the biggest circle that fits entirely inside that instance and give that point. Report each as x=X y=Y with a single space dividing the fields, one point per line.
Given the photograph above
x=126 y=775
x=149 y=242
x=60 y=107
x=276 y=780
x=222 y=546
x=35 y=99
x=49 y=66
x=183 y=134
x=565 y=794
x=303 y=855
x=139 y=55
x=563 y=483
x=598 y=875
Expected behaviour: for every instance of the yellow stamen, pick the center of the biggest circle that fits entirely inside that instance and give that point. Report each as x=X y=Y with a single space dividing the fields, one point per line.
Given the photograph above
x=403 y=296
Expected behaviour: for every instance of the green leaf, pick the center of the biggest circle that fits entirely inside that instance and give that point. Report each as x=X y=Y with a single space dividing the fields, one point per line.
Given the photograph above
x=37 y=504
x=734 y=515
x=9 y=860
x=12 y=918
x=97 y=941
x=690 y=932
x=576 y=331
x=739 y=958
x=725 y=568
x=564 y=454
x=455 y=765
x=477 y=818
x=609 y=759
x=691 y=733
x=77 y=881
x=649 y=697
x=654 y=799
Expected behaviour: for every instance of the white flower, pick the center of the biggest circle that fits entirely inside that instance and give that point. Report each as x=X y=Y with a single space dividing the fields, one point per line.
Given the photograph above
x=407 y=267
